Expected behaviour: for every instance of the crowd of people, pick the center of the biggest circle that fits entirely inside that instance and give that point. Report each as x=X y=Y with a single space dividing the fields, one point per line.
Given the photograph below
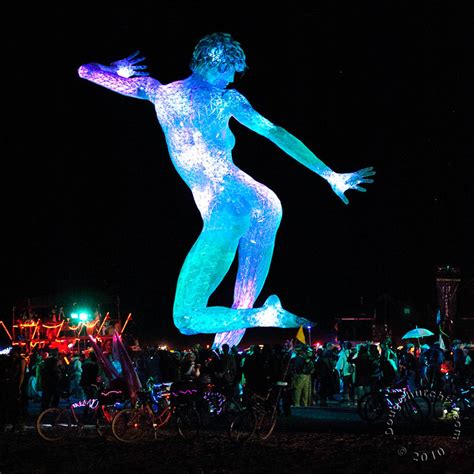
x=334 y=373
x=343 y=372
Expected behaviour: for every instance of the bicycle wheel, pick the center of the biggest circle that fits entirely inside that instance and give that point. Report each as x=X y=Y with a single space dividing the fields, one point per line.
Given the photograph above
x=267 y=420
x=449 y=410
x=232 y=407
x=244 y=426
x=424 y=404
x=188 y=422
x=104 y=418
x=55 y=424
x=461 y=408
x=442 y=407
x=411 y=411
x=131 y=425
x=371 y=407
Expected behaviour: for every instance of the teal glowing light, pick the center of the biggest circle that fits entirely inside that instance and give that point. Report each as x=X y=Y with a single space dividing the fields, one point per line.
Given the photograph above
x=83 y=316
x=240 y=215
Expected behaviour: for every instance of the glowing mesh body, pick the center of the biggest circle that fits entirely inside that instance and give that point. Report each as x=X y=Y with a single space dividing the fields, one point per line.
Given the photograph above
x=240 y=215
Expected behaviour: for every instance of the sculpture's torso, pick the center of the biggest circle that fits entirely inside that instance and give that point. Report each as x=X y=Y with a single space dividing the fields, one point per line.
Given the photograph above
x=195 y=117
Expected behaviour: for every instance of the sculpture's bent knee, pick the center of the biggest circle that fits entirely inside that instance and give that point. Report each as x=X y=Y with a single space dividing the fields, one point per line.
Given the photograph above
x=183 y=322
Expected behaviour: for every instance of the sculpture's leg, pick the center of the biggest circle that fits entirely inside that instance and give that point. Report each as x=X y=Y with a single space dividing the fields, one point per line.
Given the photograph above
x=249 y=284
x=205 y=266
x=255 y=255
x=232 y=338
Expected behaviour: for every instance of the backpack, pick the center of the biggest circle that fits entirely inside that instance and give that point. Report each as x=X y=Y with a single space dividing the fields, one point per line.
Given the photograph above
x=433 y=357
x=389 y=369
x=308 y=367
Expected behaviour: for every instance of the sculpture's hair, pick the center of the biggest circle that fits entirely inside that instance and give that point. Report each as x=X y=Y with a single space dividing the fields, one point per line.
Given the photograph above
x=218 y=50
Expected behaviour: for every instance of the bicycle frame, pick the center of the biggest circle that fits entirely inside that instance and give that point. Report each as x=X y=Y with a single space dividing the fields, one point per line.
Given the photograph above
x=264 y=410
x=92 y=403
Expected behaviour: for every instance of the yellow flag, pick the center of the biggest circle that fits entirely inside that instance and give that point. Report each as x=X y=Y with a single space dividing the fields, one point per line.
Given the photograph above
x=300 y=335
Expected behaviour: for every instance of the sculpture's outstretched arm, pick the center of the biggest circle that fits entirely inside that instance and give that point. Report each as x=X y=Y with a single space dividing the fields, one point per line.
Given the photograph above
x=340 y=182
x=124 y=76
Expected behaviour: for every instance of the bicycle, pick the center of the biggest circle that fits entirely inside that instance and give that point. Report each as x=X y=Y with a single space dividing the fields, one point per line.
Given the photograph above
x=259 y=417
x=149 y=413
x=216 y=404
x=155 y=407
x=55 y=424
x=457 y=402
x=465 y=402
x=398 y=398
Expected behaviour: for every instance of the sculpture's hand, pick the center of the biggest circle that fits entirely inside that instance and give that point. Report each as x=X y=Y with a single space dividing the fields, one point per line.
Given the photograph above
x=341 y=182
x=128 y=67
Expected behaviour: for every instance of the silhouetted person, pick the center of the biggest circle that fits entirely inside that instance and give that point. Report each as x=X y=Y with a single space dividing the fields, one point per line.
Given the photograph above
x=50 y=381
x=388 y=363
x=326 y=373
x=409 y=367
x=433 y=357
x=253 y=371
x=90 y=372
x=227 y=370
x=152 y=365
x=14 y=400
x=301 y=367
x=363 y=369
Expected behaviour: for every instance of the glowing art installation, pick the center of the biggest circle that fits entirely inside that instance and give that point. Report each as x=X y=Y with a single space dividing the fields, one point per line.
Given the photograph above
x=240 y=215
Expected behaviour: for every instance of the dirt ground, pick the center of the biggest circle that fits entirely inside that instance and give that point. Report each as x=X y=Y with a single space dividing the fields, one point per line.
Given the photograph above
x=308 y=441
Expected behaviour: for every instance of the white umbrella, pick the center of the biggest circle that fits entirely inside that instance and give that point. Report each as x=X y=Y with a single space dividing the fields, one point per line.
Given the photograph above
x=417 y=333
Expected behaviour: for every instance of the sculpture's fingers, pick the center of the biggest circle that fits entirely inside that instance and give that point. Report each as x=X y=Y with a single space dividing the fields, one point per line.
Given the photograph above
x=367 y=171
x=359 y=188
x=136 y=53
x=343 y=198
x=138 y=60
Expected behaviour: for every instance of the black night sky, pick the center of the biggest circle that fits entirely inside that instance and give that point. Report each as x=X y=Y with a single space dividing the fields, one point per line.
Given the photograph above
x=92 y=203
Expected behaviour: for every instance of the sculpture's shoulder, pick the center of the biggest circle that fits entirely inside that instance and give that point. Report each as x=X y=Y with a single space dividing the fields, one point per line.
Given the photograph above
x=234 y=96
x=235 y=100
x=172 y=88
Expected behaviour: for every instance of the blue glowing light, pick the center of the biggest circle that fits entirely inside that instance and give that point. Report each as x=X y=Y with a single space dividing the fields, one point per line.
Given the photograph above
x=240 y=215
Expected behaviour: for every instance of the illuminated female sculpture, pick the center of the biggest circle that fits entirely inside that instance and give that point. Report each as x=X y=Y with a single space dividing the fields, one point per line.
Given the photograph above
x=240 y=216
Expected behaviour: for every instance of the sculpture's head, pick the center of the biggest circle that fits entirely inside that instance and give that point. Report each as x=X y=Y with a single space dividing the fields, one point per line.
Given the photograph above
x=217 y=57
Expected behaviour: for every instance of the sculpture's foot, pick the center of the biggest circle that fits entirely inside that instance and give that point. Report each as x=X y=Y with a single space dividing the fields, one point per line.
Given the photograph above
x=273 y=314
x=217 y=319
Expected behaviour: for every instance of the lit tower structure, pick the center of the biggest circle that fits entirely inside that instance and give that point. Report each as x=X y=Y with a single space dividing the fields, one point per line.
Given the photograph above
x=447 y=283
